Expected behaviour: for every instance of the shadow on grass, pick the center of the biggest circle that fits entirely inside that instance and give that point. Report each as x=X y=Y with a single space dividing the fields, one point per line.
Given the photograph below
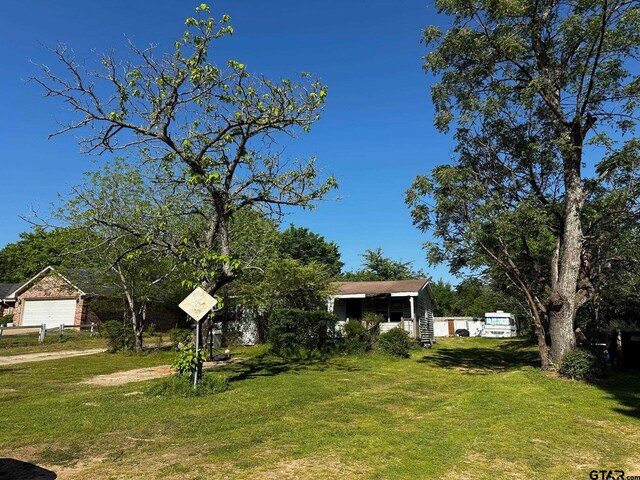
x=18 y=470
x=270 y=366
x=624 y=387
x=510 y=355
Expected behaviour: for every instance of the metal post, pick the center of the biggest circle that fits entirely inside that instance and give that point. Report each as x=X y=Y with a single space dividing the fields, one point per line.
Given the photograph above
x=197 y=372
x=43 y=332
x=61 y=332
x=211 y=336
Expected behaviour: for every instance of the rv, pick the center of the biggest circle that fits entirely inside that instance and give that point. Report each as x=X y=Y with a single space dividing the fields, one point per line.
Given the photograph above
x=499 y=324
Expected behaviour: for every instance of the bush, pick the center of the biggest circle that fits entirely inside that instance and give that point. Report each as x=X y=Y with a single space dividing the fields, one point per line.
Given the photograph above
x=6 y=319
x=152 y=329
x=357 y=339
x=581 y=364
x=186 y=362
x=119 y=336
x=395 y=343
x=298 y=332
x=179 y=337
x=371 y=321
x=180 y=386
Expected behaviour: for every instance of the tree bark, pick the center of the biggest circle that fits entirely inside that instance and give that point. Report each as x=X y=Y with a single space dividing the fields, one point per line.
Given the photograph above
x=563 y=300
x=136 y=322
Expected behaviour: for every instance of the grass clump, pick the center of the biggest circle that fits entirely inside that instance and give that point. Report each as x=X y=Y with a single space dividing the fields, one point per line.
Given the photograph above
x=181 y=386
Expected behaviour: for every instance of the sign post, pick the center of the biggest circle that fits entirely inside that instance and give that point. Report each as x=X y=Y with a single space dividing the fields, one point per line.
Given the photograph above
x=196 y=305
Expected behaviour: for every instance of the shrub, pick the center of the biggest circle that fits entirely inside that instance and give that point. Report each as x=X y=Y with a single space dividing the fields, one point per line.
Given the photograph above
x=152 y=329
x=186 y=362
x=293 y=332
x=357 y=339
x=6 y=319
x=179 y=336
x=119 y=336
x=371 y=321
x=581 y=364
x=180 y=386
x=395 y=343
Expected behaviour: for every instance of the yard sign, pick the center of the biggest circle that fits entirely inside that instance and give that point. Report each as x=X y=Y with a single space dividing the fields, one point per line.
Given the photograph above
x=197 y=304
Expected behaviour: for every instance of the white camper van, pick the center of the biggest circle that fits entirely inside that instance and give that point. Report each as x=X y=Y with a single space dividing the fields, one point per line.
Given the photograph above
x=499 y=324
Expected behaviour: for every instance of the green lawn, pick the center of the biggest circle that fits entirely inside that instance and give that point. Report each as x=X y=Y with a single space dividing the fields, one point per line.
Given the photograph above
x=25 y=344
x=468 y=408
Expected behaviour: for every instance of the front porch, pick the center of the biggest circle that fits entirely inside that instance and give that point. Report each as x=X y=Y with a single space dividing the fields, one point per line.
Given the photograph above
x=395 y=311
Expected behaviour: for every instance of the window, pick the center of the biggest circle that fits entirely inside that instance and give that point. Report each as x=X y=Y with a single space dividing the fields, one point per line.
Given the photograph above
x=498 y=321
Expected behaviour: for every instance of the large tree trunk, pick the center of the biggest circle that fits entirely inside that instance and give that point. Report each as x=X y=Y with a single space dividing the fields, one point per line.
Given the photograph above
x=563 y=302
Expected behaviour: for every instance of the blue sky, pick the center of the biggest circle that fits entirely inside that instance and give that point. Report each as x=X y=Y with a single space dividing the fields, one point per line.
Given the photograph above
x=376 y=133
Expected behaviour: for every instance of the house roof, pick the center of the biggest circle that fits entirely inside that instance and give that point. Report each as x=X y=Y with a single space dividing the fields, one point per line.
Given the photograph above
x=7 y=288
x=381 y=287
x=20 y=287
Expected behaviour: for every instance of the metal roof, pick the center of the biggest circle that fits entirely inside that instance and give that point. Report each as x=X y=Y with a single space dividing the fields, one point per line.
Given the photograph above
x=381 y=287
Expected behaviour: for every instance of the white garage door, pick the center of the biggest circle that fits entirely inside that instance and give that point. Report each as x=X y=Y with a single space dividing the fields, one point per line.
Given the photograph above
x=51 y=312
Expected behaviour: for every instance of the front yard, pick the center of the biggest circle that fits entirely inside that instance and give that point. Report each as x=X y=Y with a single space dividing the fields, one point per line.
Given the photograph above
x=469 y=408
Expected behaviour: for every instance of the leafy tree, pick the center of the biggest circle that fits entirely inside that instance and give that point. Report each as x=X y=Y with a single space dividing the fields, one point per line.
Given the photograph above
x=34 y=251
x=530 y=84
x=211 y=129
x=286 y=283
x=375 y=266
x=303 y=245
x=107 y=212
x=444 y=298
x=470 y=298
x=616 y=297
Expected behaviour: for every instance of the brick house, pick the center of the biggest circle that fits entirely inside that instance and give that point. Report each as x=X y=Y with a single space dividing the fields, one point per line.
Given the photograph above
x=47 y=298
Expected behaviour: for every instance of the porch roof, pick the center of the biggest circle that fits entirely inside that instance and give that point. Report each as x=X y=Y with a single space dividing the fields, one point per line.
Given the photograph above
x=389 y=287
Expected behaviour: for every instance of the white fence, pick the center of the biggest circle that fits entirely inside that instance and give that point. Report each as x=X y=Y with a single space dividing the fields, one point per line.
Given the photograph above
x=441 y=326
x=42 y=330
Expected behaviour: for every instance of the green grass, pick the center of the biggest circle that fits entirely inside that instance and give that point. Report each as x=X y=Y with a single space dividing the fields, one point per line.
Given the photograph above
x=24 y=344
x=468 y=408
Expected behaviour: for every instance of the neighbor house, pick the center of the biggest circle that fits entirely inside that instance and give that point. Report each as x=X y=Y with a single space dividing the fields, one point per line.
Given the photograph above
x=7 y=302
x=406 y=304
x=47 y=298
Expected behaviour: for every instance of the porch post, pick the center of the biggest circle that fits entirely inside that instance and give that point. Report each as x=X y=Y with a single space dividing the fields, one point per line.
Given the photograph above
x=413 y=317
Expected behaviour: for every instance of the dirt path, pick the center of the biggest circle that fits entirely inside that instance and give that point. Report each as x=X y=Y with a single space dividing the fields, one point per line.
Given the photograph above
x=142 y=374
x=39 y=357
